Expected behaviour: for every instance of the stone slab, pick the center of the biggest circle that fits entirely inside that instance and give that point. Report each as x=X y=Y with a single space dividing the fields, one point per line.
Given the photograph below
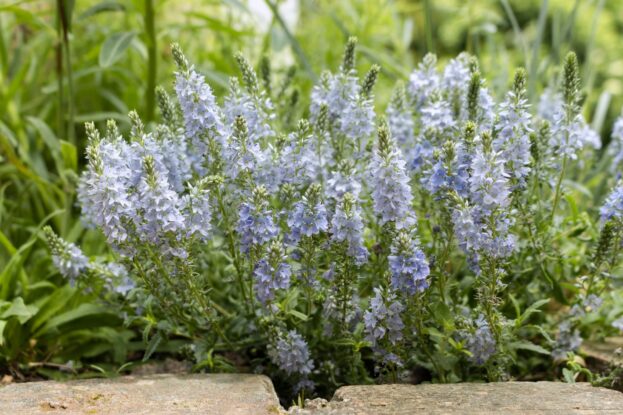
x=511 y=398
x=599 y=355
x=221 y=394
x=236 y=394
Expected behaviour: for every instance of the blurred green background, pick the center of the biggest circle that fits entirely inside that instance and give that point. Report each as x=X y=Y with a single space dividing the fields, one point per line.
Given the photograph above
x=64 y=62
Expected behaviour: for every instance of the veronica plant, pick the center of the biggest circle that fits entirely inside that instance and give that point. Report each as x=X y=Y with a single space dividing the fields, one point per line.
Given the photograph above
x=350 y=246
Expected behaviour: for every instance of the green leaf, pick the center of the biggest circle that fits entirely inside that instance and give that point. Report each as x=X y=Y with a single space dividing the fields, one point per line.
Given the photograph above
x=541 y=330
x=72 y=316
x=344 y=341
x=443 y=314
x=216 y=25
x=104 y=6
x=70 y=155
x=534 y=308
x=433 y=332
x=27 y=17
x=526 y=345
x=113 y=48
x=68 y=8
x=7 y=277
x=4 y=241
x=51 y=307
x=2 y=326
x=568 y=375
x=46 y=133
x=298 y=315
x=152 y=346
x=101 y=116
x=515 y=305
x=20 y=310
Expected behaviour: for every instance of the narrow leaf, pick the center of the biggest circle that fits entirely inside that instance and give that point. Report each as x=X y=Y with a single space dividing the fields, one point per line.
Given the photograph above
x=113 y=48
x=152 y=346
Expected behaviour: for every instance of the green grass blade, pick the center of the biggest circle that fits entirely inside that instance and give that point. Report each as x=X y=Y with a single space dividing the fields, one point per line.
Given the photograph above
x=536 y=47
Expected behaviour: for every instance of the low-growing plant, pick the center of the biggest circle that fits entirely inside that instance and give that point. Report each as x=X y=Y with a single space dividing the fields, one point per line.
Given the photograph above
x=350 y=247
x=52 y=328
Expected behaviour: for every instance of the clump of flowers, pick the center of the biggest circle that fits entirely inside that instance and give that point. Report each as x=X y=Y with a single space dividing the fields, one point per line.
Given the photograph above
x=349 y=245
x=384 y=326
x=479 y=341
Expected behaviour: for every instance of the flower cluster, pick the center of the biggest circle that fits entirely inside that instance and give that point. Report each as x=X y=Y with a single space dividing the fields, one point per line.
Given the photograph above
x=391 y=189
x=131 y=191
x=73 y=264
x=347 y=226
x=295 y=238
x=613 y=205
x=271 y=274
x=67 y=257
x=308 y=216
x=615 y=148
x=408 y=265
x=568 y=340
x=291 y=353
x=383 y=324
x=348 y=101
x=255 y=221
x=515 y=126
x=479 y=341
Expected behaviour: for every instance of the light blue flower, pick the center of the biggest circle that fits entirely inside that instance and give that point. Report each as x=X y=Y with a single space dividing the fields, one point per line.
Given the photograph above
x=269 y=278
x=474 y=234
x=160 y=211
x=567 y=340
x=391 y=190
x=456 y=74
x=382 y=322
x=615 y=147
x=337 y=92
x=308 y=217
x=400 y=118
x=255 y=226
x=513 y=138
x=119 y=279
x=257 y=111
x=290 y=353
x=347 y=226
x=423 y=81
x=70 y=261
x=613 y=205
x=197 y=212
x=343 y=180
x=408 y=265
x=479 y=341
x=437 y=118
x=489 y=181
x=202 y=115
x=568 y=136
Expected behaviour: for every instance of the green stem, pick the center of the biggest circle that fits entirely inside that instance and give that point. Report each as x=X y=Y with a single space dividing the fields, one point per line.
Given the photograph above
x=558 y=186
x=71 y=108
x=150 y=31
x=59 y=76
x=441 y=280
x=417 y=308
x=233 y=252
x=428 y=11
x=309 y=253
x=4 y=58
